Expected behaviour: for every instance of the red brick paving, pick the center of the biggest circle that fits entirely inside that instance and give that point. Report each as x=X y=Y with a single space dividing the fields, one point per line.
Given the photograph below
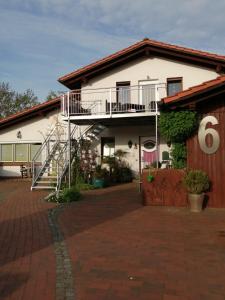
x=27 y=258
x=122 y=250
x=119 y=249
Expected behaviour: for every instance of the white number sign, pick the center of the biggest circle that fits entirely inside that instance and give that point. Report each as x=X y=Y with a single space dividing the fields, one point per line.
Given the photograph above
x=203 y=132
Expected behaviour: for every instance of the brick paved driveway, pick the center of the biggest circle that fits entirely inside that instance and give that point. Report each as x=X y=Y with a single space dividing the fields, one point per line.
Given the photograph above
x=122 y=250
x=27 y=260
x=118 y=248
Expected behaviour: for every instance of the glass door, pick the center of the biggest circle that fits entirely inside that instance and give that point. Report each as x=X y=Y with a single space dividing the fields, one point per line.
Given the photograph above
x=148 y=94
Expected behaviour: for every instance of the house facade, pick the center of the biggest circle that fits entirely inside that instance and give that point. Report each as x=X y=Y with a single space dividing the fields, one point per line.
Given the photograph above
x=121 y=94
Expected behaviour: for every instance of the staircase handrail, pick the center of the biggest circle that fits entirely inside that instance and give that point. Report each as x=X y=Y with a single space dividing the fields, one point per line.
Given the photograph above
x=40 y=150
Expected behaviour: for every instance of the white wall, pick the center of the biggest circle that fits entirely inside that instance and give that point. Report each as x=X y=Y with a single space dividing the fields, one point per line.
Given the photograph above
x=151 y=69
x=32 y=131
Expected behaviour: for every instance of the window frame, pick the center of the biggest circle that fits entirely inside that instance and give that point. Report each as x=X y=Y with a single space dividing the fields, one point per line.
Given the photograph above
x=7 y=161
x=29 y=160
x=104 y=141
x=122 y=84
x=27 y=152
x=173 y=80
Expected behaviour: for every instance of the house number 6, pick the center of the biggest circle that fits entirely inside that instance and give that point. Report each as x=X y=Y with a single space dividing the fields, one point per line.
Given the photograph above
x=203 y=132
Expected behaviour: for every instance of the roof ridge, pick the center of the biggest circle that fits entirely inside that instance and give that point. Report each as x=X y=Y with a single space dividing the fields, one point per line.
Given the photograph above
x=29 y=109
x=143 y=42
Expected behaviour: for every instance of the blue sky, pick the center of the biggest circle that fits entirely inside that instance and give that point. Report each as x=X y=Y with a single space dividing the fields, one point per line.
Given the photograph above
x=41 y=40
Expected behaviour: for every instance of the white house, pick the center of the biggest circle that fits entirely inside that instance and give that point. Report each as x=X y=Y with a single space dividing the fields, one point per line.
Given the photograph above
x=115 y=99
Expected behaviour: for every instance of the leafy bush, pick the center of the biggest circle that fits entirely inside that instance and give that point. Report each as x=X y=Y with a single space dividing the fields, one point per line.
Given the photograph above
x=122 y=174
x=196 y=181
x=84 y=186
x=69 y=195
x=179 y=155
x=177 y=126
x=100 y=173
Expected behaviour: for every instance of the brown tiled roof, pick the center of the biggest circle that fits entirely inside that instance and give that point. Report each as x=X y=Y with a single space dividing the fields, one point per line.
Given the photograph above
x=195 y=90
x=145 y=42
x=32 y=110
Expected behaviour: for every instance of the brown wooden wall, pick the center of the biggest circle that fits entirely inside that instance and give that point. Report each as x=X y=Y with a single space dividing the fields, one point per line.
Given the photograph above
x=213 y=164
x=166 y=189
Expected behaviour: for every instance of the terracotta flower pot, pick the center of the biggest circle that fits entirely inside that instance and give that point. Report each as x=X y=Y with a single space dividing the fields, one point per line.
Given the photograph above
x=195 y=202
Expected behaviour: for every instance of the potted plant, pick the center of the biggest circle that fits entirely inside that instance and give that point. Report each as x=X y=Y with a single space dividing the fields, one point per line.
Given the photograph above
x=99 y=177
x=196 y=183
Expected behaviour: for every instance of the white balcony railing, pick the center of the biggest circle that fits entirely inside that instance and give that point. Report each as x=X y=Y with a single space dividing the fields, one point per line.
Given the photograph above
x=109 y=101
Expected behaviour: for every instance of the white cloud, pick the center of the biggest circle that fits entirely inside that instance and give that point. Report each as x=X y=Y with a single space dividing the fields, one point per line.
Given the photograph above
x=53 y=37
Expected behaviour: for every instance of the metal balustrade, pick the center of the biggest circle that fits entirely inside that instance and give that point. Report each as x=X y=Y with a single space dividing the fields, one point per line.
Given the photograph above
x=109 y=101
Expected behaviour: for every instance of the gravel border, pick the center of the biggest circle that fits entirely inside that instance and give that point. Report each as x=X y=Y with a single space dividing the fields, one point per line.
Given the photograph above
x=64 y=274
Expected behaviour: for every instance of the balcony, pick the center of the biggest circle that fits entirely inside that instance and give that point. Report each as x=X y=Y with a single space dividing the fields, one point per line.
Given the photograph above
x=116 y=102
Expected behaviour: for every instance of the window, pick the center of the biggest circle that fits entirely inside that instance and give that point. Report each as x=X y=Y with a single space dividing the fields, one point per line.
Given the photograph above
x=21 y=152
x=123 y=92
x=174 y=85
x=33 y=150
x=149 y=145
x=108 y=146
x=6 y=152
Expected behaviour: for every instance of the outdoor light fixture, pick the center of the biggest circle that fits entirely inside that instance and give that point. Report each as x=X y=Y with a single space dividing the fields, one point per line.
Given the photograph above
x=19 y=135
x=130 y=143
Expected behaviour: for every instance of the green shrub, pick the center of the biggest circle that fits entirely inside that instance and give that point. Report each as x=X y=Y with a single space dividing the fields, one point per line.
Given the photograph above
x=177 y=126
x=179 y=155
x=196 y=181
x=69 y=195
x=84 y=186
x=122 y=174
x=100 y=173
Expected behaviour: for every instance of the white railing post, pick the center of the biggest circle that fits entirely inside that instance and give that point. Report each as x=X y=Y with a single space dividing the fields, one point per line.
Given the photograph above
x=156 y=134
x=63 y=106
x=110 y=102
x=68 y=104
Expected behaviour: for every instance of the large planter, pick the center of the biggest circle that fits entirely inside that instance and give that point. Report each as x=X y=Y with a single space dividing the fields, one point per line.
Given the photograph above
x=196 y=202
x=98 y=183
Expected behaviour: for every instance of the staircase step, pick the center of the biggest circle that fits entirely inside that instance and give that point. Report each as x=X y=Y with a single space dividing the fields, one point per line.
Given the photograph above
x=45 y=181
x=43 y=187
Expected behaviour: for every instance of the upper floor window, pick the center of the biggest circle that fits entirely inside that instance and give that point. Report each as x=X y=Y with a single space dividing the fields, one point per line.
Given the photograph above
x=123 y=92
x=174 y=85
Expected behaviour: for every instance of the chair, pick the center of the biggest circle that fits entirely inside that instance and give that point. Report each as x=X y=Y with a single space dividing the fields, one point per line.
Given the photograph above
x=23 y=171
x=166 y=160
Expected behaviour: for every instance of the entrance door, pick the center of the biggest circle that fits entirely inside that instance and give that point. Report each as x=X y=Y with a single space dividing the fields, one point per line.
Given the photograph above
x=148 y=151
x=148 y=94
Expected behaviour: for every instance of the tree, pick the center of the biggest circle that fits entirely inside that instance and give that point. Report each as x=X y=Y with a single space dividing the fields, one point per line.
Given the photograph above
x=53 y=94
x=12 y=101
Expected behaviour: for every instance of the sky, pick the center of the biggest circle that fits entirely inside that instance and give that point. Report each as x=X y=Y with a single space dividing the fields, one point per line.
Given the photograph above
x=41 y=40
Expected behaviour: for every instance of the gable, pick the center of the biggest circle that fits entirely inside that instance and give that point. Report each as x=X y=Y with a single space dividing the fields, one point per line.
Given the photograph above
x=145 y=48
x=160 y=69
